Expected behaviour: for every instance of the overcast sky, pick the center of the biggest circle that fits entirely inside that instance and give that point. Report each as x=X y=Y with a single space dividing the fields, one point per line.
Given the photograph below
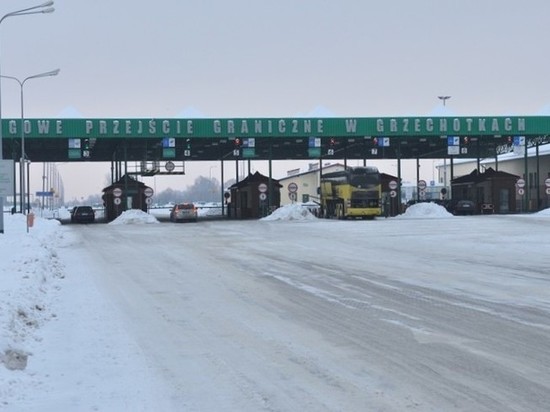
x=283 y=58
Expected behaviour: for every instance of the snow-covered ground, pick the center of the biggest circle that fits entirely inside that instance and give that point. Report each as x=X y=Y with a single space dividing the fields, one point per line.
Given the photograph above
x=424 y=312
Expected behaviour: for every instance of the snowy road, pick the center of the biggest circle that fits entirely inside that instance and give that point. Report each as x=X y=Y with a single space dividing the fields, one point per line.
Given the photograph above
x=390 y=315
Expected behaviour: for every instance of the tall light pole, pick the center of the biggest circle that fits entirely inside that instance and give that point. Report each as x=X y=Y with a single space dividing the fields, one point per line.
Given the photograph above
x=23 y=159
x=210 y=172
x=39 y=9
x=444 y=98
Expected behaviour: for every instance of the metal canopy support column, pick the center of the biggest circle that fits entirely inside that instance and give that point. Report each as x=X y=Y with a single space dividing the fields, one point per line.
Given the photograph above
x=417 y=178
x=452 y=174
x=526 y=177
x=270 y=181
x=477 y=156
x=28 y=185
x=222 y=187
x=399 y=176
x=125 y=175
x=537 y=180
x=346 y=156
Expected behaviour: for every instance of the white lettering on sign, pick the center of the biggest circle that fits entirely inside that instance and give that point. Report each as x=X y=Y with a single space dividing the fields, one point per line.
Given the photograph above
x=351 y=125
x=417 y=125
x=481 y=125
x=456 y=125
x=267 y=127
x=307 y=126
x=152 y=126
x=429 y=125
x=165 y=127
x=380 y=126
x=217 y=125
x=282 y=126
x=43 y=126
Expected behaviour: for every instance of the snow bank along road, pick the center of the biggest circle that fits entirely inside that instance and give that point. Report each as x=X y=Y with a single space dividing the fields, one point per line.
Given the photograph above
x=390 y=315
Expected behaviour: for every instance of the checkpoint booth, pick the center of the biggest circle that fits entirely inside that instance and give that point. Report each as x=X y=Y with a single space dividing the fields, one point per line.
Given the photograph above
x=249 y=197
x=125 y=194
x=492 y=191
x=390 y=187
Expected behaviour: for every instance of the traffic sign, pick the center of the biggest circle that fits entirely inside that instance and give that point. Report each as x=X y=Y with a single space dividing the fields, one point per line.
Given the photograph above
x=169 y=166
x=6 y=177
x=548 y=190
x=422 y=184
x=262 y=187
x=148 y=192
x=292 y=187
x=117 y=192
x=520 y=183
x=392 y=185
x=149 y=200
x=521 y=191
x=117 y=201
x=547 y=182
x=263 y=196
x=393 y=193
x=293 y=196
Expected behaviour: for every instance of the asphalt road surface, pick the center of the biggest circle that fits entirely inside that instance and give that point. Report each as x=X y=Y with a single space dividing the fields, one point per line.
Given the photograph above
x=390 y=315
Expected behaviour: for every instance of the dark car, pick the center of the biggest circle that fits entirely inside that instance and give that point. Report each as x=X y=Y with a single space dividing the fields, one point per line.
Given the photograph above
x=183 y=211
x=464 y=207
x=83 y=214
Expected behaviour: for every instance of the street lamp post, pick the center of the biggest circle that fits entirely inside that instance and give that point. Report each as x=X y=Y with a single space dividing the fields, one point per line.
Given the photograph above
x=39 y=9
x=443 y=98
x=210 y=172
x=23 y=159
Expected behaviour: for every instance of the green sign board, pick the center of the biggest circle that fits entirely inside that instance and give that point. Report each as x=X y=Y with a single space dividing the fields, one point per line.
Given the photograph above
x=169 y=153
x=249 y=152
x=314 y=152
x=278 y=127
x=74 y=154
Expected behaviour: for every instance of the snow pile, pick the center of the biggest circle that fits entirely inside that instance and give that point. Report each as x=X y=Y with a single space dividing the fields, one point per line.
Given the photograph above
x=425 y=210
x=134 y=216
x=31 y=278
x=209 y=209
x=294 y=211
x=544 y=212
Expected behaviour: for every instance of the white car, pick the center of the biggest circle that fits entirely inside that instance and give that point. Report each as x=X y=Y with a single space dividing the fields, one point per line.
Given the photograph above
x=183 y=211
